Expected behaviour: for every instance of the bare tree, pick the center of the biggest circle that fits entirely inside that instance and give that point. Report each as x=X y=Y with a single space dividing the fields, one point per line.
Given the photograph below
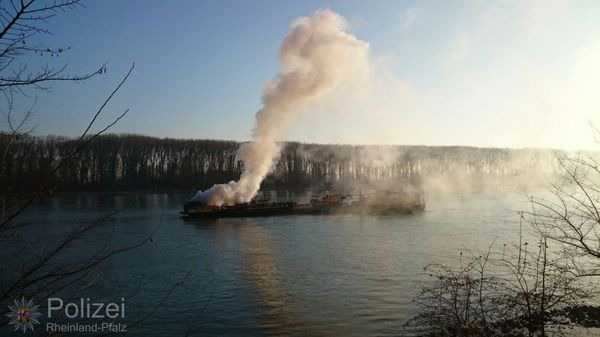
x=571 y=216
x=42 y=271
x=517 y=291
x=536 y=288
x=22 y=36
x=22 y=22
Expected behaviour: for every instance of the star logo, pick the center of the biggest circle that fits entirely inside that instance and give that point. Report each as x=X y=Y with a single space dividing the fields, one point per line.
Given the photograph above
x=23 y=315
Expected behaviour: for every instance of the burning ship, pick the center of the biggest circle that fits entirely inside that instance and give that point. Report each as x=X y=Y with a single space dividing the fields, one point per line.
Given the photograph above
x=317 y=56
x=378 y=203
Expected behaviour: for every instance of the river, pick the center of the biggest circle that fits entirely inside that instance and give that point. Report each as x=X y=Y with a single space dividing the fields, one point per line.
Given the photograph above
x=345 y=275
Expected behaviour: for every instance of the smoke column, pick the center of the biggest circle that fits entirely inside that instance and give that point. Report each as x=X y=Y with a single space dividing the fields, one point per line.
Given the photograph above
x=316 y=56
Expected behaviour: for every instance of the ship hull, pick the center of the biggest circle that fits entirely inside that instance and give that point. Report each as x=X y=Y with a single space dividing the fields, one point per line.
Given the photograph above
x=293 y=209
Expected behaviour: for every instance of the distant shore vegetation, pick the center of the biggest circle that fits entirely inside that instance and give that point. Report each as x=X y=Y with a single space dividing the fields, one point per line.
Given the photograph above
x=134 y=162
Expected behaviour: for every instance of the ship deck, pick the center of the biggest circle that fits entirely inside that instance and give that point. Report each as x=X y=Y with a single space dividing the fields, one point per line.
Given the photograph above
x=281 y=209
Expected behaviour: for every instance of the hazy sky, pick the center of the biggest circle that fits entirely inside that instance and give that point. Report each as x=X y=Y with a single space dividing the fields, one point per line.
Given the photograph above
x=483 y=73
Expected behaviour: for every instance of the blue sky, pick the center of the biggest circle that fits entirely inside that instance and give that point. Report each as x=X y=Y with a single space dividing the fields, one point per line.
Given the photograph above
x=483 y=73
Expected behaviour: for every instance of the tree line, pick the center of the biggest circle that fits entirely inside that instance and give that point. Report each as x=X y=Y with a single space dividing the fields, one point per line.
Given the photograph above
x=134 y=162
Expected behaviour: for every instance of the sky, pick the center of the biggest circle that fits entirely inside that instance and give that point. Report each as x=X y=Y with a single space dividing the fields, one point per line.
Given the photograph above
x=479 y=73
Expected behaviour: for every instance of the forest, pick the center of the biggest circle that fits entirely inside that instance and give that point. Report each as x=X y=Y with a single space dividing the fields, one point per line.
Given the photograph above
x=133 y=162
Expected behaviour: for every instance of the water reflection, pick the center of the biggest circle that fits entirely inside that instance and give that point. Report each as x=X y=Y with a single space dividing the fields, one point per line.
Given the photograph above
x=280 y=314
x=282 y=276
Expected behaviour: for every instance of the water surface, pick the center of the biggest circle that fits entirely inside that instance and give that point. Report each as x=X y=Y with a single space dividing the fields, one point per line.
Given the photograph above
x=345 y=275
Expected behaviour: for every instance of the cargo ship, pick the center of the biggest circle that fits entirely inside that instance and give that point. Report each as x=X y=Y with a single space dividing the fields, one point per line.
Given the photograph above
x=385 y=203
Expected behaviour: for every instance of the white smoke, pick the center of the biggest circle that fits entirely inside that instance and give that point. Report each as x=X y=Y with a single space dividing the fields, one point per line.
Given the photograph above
x=316 y=56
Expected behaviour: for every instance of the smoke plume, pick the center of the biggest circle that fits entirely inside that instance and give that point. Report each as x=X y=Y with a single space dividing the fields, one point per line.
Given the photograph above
x=316 y=56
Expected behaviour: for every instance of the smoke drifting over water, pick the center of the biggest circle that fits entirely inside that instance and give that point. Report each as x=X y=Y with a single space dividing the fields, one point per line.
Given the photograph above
x=316 y=56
